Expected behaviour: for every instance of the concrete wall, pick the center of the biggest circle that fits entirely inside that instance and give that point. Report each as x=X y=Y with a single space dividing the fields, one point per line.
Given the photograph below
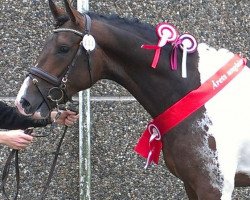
x=117 y=172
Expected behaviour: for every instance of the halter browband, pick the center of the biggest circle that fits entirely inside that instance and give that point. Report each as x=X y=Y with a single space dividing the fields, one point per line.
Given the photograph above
x=86 y=31
x=68 y=30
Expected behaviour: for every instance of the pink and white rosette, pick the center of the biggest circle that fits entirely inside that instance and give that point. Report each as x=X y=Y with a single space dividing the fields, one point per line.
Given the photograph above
x=166 y=33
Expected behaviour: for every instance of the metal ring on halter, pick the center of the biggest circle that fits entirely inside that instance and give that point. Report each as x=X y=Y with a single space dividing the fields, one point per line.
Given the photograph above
x=64 y=79
x=55 y=89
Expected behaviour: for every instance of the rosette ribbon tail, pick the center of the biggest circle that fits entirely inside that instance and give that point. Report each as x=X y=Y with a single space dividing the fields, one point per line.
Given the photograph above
x=174 y=55
x=149 y=146
x=157 y=53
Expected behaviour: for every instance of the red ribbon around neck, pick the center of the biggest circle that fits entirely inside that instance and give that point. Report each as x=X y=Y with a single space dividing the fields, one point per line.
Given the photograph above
x=149 y=145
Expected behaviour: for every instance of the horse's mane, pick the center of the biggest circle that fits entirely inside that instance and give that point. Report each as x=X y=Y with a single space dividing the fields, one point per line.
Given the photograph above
x=116 y=19
x=132 y=24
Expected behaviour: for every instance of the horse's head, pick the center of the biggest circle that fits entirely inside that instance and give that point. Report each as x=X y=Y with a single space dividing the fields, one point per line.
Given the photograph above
x=63 y=67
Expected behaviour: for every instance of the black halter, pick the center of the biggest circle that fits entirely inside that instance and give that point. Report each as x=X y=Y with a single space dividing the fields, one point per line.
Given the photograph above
x=58 y=92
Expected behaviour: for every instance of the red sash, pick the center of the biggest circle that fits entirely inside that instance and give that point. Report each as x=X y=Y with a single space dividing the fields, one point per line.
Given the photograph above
x=149 y=145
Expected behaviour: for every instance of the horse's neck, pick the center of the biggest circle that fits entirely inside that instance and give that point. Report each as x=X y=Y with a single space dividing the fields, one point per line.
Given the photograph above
x=129 y=65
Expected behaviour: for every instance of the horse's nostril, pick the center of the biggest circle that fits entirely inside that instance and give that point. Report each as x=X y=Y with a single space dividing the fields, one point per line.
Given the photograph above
x=24 y=103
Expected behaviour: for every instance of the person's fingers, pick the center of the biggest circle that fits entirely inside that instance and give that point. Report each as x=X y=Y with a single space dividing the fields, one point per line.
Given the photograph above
x=70 y=112
x=69 y=123
x=20 y=144
x=73 y=117
x=23 y=141
x=70 y=118
x=26 y=137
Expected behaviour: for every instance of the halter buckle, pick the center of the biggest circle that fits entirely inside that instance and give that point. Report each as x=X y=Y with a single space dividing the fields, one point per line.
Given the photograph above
x=35 y=81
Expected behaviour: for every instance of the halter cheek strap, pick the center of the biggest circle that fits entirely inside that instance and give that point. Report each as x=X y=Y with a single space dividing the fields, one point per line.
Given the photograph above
x=88 y=24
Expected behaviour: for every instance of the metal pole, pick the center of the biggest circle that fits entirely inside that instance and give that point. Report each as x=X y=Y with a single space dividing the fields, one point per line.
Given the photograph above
x=84 y=131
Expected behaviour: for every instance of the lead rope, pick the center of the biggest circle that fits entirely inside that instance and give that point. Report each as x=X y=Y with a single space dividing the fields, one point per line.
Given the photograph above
x=6 y=169
x=57 y=153
x=14 y=152
x=5 y=174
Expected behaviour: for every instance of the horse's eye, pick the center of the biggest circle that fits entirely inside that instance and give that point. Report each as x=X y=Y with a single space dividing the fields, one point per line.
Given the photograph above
x=63 y=49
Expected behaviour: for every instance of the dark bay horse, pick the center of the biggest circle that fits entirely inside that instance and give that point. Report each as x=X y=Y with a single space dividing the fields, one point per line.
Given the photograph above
x=209 y=150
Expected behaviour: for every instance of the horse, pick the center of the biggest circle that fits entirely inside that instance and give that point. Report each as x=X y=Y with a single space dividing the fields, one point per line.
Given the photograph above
x=209 y=150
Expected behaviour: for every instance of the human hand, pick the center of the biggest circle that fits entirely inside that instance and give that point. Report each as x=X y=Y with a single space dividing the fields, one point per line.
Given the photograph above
x=15 y=139
x=67 y=117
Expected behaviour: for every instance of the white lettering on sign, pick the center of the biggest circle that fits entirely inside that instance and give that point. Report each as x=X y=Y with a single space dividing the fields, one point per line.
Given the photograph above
x=235 y=68
x=219 y=81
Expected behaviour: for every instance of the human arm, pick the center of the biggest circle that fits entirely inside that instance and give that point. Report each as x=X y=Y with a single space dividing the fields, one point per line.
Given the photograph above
x=11 y=119
x=15 y=139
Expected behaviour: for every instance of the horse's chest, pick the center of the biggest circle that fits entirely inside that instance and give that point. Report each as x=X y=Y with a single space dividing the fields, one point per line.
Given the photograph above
x=229 y=112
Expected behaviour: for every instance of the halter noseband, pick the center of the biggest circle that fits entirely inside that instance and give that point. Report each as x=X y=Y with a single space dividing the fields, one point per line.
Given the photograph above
x=60 y=83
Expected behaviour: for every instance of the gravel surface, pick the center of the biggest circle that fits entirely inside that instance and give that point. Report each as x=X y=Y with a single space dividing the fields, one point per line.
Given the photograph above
x=117 y=172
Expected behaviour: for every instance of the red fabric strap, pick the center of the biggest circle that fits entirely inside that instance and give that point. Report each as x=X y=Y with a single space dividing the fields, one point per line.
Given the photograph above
x=149 y=145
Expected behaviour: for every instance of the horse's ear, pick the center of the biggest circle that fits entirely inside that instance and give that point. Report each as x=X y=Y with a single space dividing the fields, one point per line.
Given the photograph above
x=70 y=11
x=56 y=12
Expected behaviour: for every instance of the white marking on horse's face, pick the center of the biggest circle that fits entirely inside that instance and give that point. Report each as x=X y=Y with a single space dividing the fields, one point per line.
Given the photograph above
x=229 y=112
x=20 y=94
